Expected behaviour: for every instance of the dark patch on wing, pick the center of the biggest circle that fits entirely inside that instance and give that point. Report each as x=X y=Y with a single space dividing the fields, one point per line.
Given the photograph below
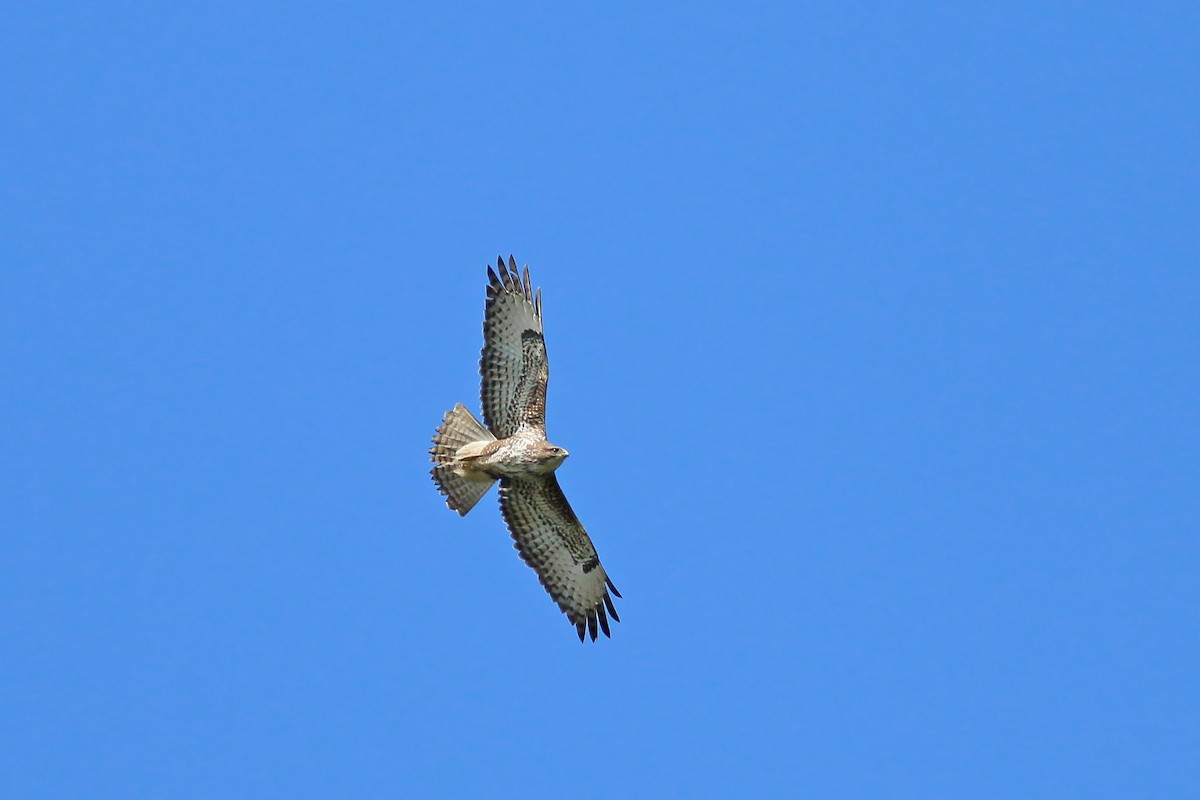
x=535 y=374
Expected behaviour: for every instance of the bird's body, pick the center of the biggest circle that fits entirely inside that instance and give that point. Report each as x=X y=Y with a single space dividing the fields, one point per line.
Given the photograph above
x=469 y=457
x=517 y=456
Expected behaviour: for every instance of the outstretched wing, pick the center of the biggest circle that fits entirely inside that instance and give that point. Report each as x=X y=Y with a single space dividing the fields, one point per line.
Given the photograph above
x=513 y=364
x=551 y=539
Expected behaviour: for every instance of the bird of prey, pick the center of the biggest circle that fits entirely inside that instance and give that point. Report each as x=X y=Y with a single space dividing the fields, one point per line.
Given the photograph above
x=468 y=457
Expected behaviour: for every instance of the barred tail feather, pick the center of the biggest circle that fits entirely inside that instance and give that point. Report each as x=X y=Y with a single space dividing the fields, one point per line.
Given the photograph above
x=461 y=485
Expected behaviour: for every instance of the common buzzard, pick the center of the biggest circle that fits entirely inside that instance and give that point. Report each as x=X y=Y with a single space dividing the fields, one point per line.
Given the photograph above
x=468 y=458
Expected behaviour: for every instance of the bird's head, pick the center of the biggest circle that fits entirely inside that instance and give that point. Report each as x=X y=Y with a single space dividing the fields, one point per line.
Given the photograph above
x=552 y=456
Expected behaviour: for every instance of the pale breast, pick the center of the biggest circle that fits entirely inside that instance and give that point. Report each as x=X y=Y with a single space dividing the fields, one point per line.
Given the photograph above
x=521 y=454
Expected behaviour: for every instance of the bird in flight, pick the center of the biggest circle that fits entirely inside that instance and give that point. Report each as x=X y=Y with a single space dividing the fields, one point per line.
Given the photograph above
x=469 y=457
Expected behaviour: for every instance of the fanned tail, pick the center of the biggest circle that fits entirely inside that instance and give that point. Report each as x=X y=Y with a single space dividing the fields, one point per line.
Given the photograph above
x=462 y=485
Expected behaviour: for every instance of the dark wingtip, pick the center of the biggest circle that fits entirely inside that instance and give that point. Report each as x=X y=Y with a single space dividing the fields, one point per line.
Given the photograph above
x=611 y=587
x=612 y=610
x=579 y=628
x=603 y=622
x=506 y=274
x=591 y=621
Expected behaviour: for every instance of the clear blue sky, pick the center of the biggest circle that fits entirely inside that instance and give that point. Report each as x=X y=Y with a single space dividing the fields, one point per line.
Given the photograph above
x=873 y=330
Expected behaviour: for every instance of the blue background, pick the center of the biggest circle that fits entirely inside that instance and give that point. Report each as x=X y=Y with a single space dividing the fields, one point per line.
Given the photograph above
x=873 y=333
